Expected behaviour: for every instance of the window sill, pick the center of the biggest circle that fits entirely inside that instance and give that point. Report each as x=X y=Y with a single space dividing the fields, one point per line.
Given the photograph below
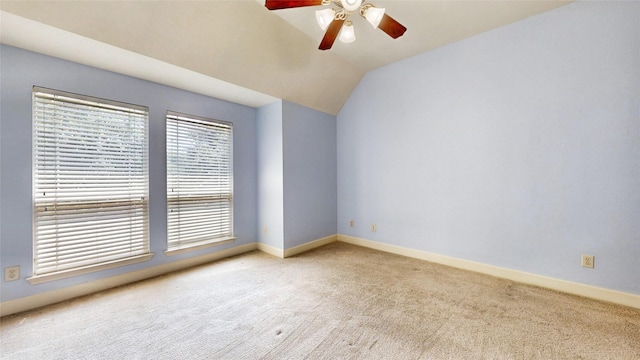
x=198 y=246
x=39 y=279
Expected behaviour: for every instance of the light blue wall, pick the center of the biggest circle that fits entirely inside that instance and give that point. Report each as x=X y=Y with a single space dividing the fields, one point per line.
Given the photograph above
x=270 y=175
x=310 y=184
x=20 y=70
x=519 y=148
x=297 y=185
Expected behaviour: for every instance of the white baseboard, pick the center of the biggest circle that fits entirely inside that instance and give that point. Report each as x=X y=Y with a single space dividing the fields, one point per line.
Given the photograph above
x=55 y=296
x=310 y=245
x=271 y=250
x=296 y=249
x=593 y=292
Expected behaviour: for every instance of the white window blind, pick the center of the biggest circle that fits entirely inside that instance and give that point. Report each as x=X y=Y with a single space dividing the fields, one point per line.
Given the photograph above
x=199 y=181
x=90 y=183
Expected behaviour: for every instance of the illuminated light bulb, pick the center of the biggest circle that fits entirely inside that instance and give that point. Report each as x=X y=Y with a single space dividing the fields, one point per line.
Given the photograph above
x=374 y=16
x=351 y=5
x=325 y=17
x=347 y=34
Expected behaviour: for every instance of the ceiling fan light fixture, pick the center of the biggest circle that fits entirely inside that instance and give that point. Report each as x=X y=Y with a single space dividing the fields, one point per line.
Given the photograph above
x=351 y=5
x=374 y=15
x=335 y=22
x=347 y=34
x=325 y=17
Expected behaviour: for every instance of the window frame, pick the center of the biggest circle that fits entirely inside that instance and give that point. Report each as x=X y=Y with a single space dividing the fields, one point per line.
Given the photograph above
x=135 y=242
x=176 y=246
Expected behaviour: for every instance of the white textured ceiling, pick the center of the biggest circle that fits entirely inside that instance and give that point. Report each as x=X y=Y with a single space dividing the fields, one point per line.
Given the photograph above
x=238 y=49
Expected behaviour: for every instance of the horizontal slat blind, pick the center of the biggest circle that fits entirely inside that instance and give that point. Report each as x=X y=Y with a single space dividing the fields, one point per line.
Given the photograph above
x=199 y=181
x=90 y=181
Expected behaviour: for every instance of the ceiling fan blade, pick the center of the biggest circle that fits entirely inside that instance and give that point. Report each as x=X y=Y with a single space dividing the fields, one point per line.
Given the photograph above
x=391 y=26
x=286 y=4
x=331 y=34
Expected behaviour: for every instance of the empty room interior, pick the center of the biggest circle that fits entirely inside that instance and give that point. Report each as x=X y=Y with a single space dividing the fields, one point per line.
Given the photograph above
x=320 y=179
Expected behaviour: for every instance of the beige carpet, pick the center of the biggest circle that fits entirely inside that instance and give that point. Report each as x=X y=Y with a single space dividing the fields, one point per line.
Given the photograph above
x=339 y=301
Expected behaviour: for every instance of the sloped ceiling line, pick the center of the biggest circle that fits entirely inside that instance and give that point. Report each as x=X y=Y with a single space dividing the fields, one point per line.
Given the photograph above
x=241 y=48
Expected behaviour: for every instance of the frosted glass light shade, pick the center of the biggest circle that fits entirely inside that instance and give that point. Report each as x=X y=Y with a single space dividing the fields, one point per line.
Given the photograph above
x=374 y=16
x=325 y=17
x=347 y=34
x=351 y=5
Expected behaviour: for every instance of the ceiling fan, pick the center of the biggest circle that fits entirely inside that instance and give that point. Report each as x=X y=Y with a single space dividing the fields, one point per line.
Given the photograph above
x=338 y=21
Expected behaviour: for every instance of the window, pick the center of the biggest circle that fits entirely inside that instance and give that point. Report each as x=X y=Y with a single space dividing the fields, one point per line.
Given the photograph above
x=199 y=182
x=90 y=184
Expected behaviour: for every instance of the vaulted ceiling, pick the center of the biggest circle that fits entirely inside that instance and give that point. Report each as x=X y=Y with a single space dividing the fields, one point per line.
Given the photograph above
x=240 y=51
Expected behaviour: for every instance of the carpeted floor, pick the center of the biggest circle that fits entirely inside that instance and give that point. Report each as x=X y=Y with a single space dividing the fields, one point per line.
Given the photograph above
x=338 y=301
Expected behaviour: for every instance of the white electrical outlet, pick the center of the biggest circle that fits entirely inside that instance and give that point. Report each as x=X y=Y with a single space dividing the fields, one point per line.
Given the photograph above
x=12 y=273
x=265 y=230
x=587 y=261
x=373 y=227
x=352 y=223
